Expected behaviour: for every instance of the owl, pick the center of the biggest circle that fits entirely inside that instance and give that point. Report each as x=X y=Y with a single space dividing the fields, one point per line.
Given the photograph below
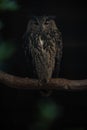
x=43 y=48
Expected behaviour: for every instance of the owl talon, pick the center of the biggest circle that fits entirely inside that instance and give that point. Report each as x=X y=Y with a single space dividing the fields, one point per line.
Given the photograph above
x=40 y=83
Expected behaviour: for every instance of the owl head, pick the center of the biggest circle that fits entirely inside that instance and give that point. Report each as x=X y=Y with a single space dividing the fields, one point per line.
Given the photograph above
x=41 y=24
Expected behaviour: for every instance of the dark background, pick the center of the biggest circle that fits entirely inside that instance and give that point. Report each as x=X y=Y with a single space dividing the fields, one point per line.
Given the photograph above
x=19 y=107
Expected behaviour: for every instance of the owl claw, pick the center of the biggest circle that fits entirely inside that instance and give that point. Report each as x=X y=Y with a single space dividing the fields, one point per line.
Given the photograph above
x=44 y=92
x=40 y=83
x=43 y=82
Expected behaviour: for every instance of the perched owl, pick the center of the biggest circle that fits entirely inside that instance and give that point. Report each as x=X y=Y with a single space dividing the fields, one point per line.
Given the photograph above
x=43 y=47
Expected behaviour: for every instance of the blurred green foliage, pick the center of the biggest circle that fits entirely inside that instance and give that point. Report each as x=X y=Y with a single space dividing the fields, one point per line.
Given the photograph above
x=6 y=50
x=9 y=5
x=49 y=110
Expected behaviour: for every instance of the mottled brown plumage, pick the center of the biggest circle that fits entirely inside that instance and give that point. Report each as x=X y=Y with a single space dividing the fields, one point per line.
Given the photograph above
x=43 y=47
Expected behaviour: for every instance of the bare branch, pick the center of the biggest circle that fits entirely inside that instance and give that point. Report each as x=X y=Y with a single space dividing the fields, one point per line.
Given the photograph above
x=27 y=83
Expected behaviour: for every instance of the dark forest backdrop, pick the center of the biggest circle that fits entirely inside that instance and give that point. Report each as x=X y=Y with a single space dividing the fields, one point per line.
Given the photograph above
x=28 y=110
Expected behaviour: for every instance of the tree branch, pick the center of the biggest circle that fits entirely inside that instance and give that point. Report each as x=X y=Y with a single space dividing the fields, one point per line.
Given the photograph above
x=27 y=83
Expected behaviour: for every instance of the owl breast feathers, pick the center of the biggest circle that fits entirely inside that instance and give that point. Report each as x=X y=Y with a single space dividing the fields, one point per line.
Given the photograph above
x=43 y=47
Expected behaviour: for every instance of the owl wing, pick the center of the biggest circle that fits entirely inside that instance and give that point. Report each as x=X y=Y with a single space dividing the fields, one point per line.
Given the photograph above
x=27 y=56
x=59 y=46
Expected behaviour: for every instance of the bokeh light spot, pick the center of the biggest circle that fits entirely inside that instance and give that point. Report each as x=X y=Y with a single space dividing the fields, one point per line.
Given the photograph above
x=10 y=5
x=49 y=110
x=6 y=50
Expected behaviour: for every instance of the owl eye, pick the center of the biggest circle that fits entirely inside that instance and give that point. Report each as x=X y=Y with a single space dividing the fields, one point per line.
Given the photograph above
x=47 y=22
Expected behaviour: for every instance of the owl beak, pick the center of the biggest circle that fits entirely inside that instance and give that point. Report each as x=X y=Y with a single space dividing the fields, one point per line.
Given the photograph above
x=42 y=28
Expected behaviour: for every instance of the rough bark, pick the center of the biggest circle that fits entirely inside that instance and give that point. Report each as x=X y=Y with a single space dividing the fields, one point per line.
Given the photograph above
x=27 y=83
